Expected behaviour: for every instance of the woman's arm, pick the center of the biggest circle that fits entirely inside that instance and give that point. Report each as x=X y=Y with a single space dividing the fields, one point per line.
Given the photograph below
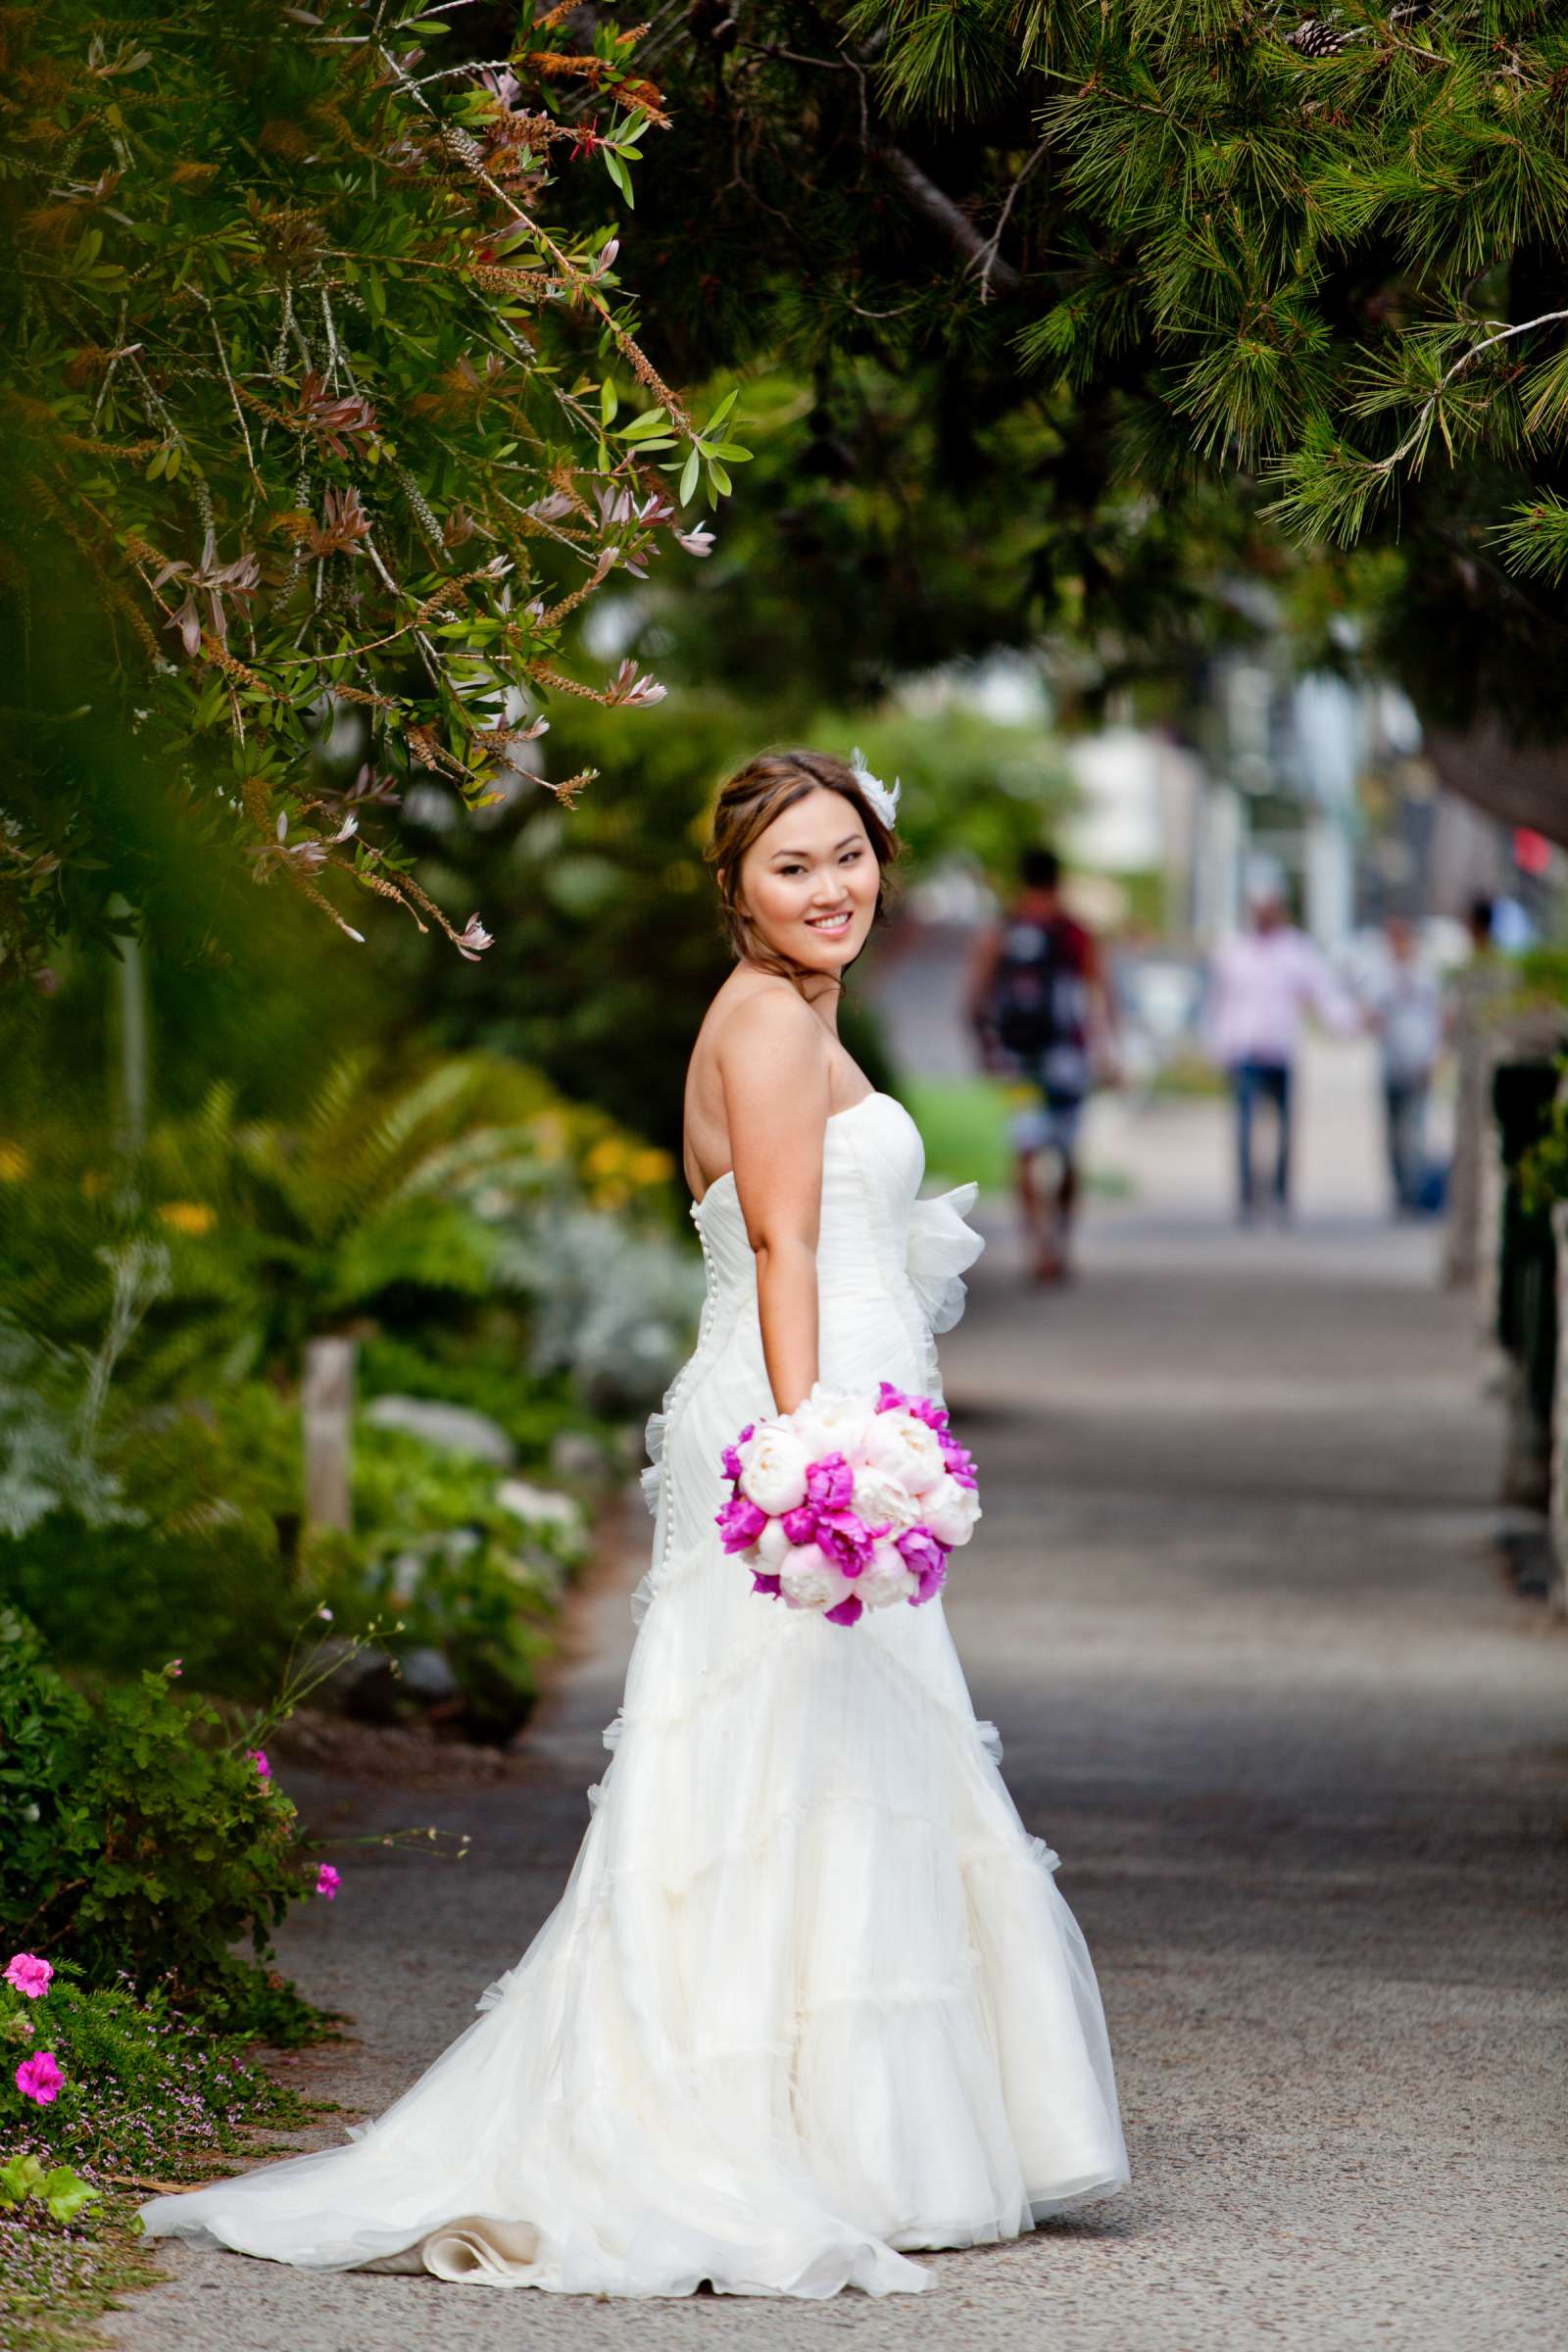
x=774 y=1064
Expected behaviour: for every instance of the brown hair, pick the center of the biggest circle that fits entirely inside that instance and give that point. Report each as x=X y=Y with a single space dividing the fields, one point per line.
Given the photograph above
x=747 y=806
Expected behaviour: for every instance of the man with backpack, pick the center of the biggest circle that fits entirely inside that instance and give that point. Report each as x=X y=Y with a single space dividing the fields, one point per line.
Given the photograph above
x=1040 y=1007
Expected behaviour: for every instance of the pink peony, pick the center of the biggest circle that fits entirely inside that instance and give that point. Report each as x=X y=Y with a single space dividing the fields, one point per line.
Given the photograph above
x=925 y=1556
x=740 y=1523
x=40 y=2079
x=29 y=1975
x=959 y=1461
x=729 y=1459
x=845 y=1538
x=889 y=1400
x=258 y=1756
x=829 y=1483
x=847 y=1611
x=765 y=1584
x=800 y=1525
x=327 y=1882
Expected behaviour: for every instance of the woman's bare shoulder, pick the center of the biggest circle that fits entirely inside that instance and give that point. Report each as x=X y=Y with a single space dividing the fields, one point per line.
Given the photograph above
x=767 y=1013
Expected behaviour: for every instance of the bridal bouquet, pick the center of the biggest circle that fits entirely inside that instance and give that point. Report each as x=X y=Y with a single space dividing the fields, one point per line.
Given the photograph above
x=849 y=1504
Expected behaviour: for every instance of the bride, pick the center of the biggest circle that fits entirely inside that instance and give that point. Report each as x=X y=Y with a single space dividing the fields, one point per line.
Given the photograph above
x=812 y=1999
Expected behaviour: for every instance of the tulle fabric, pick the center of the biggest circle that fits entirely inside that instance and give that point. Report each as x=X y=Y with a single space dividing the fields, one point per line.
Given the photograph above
x=812 y=2000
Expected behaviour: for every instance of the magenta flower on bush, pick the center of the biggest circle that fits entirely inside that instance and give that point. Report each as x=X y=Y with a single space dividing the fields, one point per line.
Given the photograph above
x=258 y=1756
x=740 y=1523
x=327 y=1882
x=29 y=1975
x=39 y=2077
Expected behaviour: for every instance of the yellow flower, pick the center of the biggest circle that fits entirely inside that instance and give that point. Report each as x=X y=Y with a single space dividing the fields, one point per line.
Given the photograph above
x=13 y=1163
x=650 y=1166
x=607 y=1159
x=188 y=1216
x=610 y=1195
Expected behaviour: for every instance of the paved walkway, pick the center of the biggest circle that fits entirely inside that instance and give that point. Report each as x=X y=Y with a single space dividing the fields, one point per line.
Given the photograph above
x=1303 y=1756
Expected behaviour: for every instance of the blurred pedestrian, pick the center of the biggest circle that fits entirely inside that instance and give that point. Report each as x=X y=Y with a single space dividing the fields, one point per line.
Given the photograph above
x=1041 y=1012
x=1406 y=1006
x=1262 y=985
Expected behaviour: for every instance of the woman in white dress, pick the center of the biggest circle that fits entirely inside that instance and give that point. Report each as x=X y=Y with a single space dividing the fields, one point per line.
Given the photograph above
x=812 y=2000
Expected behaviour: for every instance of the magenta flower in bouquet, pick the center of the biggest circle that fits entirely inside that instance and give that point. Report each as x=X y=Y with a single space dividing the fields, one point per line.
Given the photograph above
x=849 y=1502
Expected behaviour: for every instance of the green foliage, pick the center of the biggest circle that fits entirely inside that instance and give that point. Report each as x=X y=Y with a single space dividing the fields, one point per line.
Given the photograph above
x=62 y=2193
x=134 y=1843
x=1143 y=271
x=314 y=402
x=473 y=1565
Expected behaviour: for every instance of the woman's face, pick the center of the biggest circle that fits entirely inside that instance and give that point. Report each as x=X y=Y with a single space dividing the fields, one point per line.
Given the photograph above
x=809 y=880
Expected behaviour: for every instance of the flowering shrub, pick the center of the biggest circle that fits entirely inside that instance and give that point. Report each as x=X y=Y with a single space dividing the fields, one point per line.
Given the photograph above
x=133 y=1841
x=139 y=2095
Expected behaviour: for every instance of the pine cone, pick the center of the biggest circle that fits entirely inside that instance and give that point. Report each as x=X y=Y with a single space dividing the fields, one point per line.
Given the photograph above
x=1316 y=36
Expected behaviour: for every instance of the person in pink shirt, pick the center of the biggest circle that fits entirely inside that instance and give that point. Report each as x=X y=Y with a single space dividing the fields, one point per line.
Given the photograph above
x=1261 y=986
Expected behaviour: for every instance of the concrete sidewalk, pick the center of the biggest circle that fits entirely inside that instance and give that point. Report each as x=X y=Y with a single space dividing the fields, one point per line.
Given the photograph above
x=1304 y=1759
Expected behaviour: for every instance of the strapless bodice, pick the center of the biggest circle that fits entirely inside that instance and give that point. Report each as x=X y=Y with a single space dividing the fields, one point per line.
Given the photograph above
x=875 y=1234
x=888 y=1268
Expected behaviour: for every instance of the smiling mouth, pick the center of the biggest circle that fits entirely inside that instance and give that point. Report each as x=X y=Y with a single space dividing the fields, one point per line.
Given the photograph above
x=829 y=922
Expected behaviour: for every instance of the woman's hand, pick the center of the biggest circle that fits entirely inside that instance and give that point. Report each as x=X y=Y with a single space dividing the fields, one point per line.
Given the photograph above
x=773 y=1061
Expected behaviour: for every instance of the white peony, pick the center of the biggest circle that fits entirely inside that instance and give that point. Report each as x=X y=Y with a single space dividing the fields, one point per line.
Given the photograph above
x=833 y=1421
x=810 y=1580
x=773 y=1466
x=772 y=1546
x=906 y=1450
x=883 y=1500
x=950 y=1510
x=885 y=1578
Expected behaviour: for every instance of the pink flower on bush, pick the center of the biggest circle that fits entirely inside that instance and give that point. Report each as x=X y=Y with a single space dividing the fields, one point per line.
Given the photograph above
x=29 y=1975
x=327 y=1882
x=258 y=1756
x=39 y=2077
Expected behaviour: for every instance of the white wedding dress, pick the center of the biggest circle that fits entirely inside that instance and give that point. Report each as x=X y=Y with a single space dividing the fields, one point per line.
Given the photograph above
x=811 y=1997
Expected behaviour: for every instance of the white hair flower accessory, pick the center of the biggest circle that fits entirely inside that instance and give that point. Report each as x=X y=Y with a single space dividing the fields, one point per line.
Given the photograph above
x=885 y=803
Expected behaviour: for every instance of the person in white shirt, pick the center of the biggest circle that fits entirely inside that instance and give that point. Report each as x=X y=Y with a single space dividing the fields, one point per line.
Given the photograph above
x=1406 y=1009
x=1261 y=986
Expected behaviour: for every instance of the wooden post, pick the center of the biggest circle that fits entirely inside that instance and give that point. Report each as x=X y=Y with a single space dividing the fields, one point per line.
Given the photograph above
x=326 y=1412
